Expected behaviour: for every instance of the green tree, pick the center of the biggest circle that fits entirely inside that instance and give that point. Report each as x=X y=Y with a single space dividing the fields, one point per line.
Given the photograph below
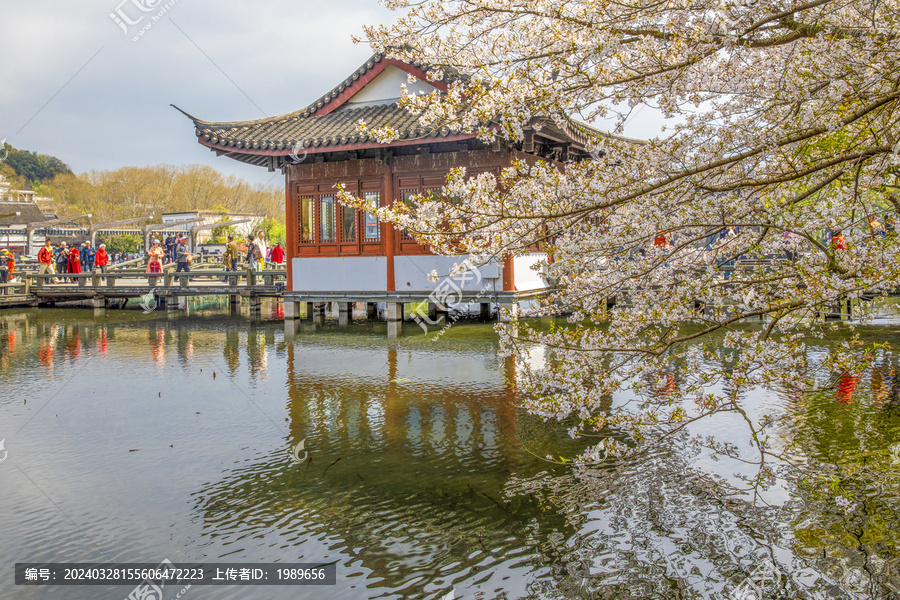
x=34 y=167
x=274 y=230
x=122 y=243
x=220 y=235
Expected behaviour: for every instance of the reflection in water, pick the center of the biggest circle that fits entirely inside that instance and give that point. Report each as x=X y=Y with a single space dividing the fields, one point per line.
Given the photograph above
x=186 y=425
x=409 y=449
x=673 y=524
x=421 y=476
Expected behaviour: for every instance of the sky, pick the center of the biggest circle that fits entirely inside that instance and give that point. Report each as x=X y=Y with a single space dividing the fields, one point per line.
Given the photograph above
x=74 y=84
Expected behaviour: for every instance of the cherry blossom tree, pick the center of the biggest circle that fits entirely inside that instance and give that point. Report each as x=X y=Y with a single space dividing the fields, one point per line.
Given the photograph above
x=745 y=221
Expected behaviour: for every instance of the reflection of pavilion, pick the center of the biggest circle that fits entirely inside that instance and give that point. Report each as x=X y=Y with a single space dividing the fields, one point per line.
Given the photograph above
x=409 y=450
x=424 y=400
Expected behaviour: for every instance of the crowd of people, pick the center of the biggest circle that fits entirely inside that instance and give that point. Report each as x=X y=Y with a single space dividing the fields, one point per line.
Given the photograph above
x=62 y=260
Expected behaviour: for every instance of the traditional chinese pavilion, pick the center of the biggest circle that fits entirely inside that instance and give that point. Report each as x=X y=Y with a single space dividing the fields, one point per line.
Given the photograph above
x=338 y=253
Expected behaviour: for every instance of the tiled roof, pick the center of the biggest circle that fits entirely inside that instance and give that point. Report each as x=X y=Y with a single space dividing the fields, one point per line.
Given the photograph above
x=286 y=134
x=588 y=136
x=365 y=68
x=299 y=131
x=31 y=213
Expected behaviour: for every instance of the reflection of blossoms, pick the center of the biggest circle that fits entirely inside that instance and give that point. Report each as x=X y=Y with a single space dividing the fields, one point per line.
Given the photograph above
x=895 y=454
x=844 y=503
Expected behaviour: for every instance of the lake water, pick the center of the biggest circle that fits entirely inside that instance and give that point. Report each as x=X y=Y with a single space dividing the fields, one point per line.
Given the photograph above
x=135 y=438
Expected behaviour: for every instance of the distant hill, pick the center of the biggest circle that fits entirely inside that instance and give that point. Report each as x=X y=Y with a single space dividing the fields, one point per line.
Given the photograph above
x=34 y=168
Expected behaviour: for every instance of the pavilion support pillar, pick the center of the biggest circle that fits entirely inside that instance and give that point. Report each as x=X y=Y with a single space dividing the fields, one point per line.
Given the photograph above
x=345 y=312
x=394 y=329
x=371 y=310
x=485 y=314
x=394 y=311
x=234 y=304
x=432 y=311
x=291 y=310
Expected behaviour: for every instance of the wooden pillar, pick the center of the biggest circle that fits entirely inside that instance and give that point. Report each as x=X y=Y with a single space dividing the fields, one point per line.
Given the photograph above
x=371 y=310
x=509 y=275
x=388 y=228
x=292 y=224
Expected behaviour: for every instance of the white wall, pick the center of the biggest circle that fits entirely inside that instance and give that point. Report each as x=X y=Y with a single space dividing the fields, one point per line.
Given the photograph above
x=340 y=274
x=369 y=273
x=411 y=273
x=525 y=278
x=385 y=88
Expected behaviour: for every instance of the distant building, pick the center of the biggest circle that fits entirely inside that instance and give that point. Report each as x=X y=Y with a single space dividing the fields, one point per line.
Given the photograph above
x=18 y=209
x=14 y=216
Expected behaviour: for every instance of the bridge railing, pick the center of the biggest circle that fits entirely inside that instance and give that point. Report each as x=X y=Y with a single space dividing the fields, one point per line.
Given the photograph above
x=19 y=287
x=127 y=264
x=169 y=278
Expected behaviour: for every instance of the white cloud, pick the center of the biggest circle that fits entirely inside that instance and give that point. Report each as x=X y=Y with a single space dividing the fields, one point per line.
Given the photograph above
x=228 y=57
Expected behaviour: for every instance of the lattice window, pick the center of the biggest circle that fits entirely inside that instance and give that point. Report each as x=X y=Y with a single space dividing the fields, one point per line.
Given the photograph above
x=307 y=215
x=372 y=230
x=406 y=196
x=326 y=219
x=348 y=223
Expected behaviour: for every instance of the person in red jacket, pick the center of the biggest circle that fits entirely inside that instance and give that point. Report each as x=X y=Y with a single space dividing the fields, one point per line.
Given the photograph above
x=45 y=257
x=74 y=260
x=101 y=259
x=277 y=254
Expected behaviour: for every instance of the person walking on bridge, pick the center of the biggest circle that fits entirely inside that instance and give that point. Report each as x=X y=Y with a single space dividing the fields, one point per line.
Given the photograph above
x=278 y=254
x=263 y=249
x=102 y=258
x=253 y=254
x=74 y=260
x=45 y=257
x=182 y=257
x=89 y=256
x=62 y=260
x=155 y=254
x=170 y=248
x=7 y=263
x=230 y=256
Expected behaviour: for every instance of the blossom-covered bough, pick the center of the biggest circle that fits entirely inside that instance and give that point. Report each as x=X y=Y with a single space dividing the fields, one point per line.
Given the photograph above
x=785 y=138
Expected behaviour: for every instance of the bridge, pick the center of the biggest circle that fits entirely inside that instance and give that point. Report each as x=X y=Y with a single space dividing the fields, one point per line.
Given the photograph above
x=130 y=280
